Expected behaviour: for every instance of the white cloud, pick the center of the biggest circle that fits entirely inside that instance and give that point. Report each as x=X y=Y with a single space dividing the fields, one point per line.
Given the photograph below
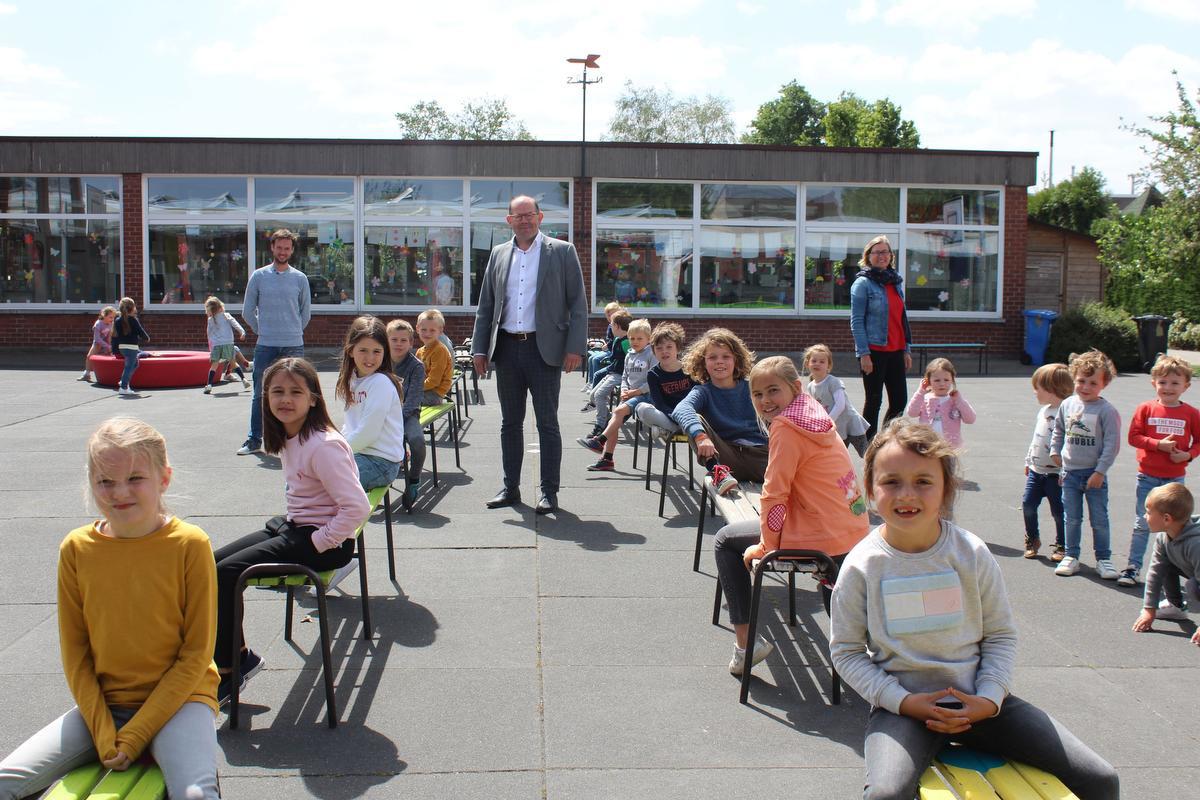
x=865 y=11
x=749 y=9
x=475 y=49
x=31 y=94
x=1187 y=10
x=960 y=16
x=7 y=8
x=856 y=63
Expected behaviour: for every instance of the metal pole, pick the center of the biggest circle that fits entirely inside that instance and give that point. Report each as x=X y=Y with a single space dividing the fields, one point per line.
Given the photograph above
x=583 y=135
x=1050 y=179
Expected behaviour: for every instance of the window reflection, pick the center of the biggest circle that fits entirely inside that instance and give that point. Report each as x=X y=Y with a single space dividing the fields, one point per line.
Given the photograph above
x=414 y=265
x=830 y=264
x=190 y=262
x=412 y=197
x=859 y=204
x=747 y=201
x=954 y=206
x=644 y=201
x=59 y=194
x=747 y=267
x=304 y=196
x=195 y=196
x=486 y=235
x=325 y=253
x=491 y=197
x=644 y=267
x=951 y=270
x=60 y=261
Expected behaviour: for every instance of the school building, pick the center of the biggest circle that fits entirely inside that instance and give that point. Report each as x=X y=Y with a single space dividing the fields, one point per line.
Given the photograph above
x=764 y=240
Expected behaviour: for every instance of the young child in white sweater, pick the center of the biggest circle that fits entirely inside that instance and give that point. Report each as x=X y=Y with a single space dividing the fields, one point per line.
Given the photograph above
x=922 y=629
x=828 y=390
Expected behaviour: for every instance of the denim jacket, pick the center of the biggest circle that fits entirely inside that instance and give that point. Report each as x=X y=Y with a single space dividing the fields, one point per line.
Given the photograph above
x=869 y=316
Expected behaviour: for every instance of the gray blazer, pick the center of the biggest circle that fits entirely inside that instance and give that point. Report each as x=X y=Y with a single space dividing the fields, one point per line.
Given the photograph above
x=560 y=308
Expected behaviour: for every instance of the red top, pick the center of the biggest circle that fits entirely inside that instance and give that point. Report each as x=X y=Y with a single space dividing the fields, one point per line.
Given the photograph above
x=895 y=339
x=1152 y=422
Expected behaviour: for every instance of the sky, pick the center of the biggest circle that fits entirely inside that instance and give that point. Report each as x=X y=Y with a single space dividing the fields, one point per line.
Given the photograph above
x=972 y=75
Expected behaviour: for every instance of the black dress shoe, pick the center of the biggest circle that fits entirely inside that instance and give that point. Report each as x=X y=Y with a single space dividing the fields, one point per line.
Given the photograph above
x=547 y=504
x=506 y=497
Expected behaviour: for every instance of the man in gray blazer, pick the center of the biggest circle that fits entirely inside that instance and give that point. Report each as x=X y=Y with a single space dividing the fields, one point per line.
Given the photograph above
x=531 y=323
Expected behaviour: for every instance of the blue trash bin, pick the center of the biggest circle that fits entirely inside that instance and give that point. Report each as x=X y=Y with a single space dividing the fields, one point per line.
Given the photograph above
x=1037 y=335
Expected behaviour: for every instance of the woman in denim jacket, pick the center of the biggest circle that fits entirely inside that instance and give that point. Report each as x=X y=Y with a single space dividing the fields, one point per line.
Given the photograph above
x=879 y=325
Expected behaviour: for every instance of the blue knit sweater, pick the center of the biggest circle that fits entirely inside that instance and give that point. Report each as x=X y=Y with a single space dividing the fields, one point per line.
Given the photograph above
x=728 y=411
x=276 y=306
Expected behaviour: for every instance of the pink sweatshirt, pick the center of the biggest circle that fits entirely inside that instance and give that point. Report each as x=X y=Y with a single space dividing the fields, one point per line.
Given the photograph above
x=322 y=487
x=944 y=414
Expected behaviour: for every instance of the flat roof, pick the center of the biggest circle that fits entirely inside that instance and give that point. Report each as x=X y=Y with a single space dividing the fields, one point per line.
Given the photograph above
x=516 y=159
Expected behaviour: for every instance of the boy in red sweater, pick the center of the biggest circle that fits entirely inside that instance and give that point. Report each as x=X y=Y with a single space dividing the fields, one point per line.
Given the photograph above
x=1166 y=433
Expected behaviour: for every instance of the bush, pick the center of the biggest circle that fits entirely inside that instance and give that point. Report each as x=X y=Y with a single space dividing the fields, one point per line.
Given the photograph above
x=1184 y=334
x=1093 y=325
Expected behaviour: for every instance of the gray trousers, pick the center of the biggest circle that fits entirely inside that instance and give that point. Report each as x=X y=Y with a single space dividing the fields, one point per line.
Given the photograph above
x=898 y=749
x=520 y=371
x=185 y=748
x=414 y=436
x=652 y=416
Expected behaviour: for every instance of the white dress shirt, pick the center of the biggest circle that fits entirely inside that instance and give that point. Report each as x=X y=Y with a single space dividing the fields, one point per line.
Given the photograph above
x=521 y=292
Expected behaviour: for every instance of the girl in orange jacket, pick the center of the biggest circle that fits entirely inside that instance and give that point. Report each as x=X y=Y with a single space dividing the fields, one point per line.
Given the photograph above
x=811 y=498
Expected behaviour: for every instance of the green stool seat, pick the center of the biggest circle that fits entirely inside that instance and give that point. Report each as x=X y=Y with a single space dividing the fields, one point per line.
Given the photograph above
x=142 y=781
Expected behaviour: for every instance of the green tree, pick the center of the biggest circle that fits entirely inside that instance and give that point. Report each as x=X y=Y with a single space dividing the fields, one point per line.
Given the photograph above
x=851 y=121
x=1074 y=204
x=793 y=118
x=485 y=118
x=647 y=114
x=1175 y=152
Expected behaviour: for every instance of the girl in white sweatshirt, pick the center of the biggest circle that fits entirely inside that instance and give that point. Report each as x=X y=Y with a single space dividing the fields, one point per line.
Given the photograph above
x=374 y=425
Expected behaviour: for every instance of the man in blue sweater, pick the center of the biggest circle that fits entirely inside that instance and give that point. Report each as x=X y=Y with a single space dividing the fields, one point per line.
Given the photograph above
x=276 y=308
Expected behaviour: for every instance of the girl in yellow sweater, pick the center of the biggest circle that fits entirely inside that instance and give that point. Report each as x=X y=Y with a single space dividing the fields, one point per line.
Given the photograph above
x=137 y=619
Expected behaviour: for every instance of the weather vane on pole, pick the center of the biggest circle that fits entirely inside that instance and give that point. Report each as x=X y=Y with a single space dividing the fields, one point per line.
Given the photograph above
x=590 y=61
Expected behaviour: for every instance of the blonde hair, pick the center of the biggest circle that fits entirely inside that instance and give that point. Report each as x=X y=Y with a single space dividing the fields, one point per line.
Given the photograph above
x=212 y=304
x=818 y=350
x=941 y=365
x=641 y=326
x=1171 y=365
x=132 y=438
x=104 y=312
x=1093 y=361
x=433 y=314
x=1054 y=378
x=400 y=325
x=780 y=367
x=693 y=359
x=925 y=442
x=1172 y=499
x=612 y=308
x=862 y=262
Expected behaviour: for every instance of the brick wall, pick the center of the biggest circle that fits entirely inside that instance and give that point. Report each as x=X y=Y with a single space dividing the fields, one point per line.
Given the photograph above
x=179 y=329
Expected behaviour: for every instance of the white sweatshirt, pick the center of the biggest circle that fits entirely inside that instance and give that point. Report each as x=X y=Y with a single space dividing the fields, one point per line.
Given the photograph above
x=374 y=423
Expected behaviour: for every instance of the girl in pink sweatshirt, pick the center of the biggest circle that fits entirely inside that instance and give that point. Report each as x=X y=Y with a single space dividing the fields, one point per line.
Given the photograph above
x=325 y=501
x=939 y=404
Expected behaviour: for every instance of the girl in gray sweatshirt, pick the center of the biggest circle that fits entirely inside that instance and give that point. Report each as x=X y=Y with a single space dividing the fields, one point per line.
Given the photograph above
x=922 y=629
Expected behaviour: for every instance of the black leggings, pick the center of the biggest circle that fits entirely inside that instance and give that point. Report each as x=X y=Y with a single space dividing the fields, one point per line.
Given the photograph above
x=887 y=370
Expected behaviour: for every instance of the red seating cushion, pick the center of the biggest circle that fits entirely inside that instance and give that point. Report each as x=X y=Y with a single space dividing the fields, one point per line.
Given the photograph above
x=158 y=369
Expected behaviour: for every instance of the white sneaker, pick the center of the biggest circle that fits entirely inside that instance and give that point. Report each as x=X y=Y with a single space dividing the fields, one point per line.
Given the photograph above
x=339 y=576
x=1128 y=577
x=762 y=649
x=1168 y=611
x=1106 y=570
x=126 y=392
x=1069 y=566
x=245 y=383
x=208 y=389
x=249 y=446
x=86 y=376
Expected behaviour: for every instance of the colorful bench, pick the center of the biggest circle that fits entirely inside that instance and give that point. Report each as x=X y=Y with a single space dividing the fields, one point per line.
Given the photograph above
x=960 y=772
x=429 y=418
x=142 y=781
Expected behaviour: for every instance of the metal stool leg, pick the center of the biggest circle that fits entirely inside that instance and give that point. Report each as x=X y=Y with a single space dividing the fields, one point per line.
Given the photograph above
x=649 y=456
x=637 y=438
x=717 y=605
x=326 y=656
x=454 y=425
x=752 y=634
x=792 y=598
x=387 y=519
x=433 y=453
x=361 y=547
x=700 y=529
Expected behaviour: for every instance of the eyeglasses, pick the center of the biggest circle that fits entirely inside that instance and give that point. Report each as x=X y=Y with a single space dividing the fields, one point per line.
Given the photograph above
x=526 y=217
x=880 y=252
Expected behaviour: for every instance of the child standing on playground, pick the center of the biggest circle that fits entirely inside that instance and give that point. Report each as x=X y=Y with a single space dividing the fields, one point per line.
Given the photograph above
x=830 y=392
x=1085 y=442
x=922 y=629
x=138 y=575
x=221 y=327
x=411 y=372
x=325 y=502
x=810 y=500
x=1166 y=433
x=939 y=404
x=1052 y=384
x=437 y=358
x=101 y=340
x=128 y=336
x=718 y=415
x=634 y=388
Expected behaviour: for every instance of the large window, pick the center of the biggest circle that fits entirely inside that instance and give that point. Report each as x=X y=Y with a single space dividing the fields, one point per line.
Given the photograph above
x=60 y=239
x=951 y=250
x=644 y=267
x=414 y=265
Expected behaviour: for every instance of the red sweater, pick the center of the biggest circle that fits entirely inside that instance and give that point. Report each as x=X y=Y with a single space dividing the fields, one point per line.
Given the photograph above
x=1152 y=422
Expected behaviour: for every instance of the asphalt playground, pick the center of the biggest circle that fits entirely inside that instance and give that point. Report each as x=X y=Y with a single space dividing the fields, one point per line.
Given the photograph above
x=567 y=657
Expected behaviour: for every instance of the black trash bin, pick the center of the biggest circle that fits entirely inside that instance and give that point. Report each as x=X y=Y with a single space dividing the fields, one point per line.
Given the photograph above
x=1152 y=338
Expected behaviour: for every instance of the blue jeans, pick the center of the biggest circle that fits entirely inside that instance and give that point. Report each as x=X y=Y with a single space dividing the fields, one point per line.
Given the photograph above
x=596 y=359
x=265 y=356
x=131 y=364
x=1074 y=491
x=898 y=749
x=1037 y=486
x=374 y=471
x=1141 y=530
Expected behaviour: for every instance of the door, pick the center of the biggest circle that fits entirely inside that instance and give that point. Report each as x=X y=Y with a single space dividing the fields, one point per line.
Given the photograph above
x=1043 y=281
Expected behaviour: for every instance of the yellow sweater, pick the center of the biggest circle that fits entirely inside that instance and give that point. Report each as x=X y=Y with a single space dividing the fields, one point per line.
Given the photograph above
x=137 y=627
x=439 y=367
